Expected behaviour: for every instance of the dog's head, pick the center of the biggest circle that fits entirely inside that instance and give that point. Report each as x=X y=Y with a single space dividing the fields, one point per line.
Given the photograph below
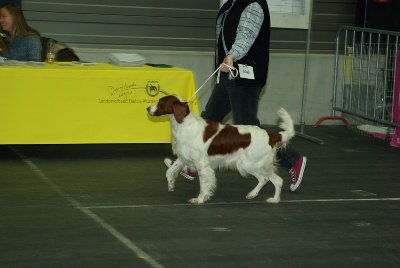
x=170 y=105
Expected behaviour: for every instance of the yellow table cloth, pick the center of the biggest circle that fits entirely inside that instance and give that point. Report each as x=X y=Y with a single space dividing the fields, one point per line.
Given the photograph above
x=66 y=103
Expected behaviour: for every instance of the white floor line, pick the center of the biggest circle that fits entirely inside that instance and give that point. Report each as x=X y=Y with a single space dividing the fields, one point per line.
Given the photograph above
x=244 y=202
x=128 y=243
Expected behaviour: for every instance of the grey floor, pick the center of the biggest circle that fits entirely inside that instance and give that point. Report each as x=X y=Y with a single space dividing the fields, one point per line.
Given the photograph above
x=108 y=206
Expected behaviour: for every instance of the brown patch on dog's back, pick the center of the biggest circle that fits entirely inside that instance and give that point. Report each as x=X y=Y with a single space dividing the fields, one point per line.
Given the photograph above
x=274 y=138
x=210 y=130
x=228 y=141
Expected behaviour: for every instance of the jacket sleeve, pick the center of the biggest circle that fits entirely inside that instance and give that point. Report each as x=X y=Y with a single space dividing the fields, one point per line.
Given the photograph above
x=249 y=26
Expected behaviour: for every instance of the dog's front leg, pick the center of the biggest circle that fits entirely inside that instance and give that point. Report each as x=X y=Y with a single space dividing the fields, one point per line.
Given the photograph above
x=208 y=184
x=172 y=174
x=278 y=182
x=261 y=183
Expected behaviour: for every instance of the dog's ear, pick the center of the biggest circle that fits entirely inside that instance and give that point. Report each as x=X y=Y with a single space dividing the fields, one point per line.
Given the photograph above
x=181 y=110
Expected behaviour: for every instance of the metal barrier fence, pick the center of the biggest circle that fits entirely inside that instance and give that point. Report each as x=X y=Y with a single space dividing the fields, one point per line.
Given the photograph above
x=366 y=86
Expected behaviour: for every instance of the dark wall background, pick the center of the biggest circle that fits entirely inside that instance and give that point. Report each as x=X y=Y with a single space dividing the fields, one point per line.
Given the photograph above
x=3 y=2
x=383 y=16
x=183 y=24
x=126 y=24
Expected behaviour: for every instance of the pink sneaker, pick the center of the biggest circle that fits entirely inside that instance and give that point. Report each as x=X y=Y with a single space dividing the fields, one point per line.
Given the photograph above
x=185 y=172
x=296 y=172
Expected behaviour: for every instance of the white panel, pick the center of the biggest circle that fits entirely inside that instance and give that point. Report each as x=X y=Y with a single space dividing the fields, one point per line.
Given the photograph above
x=290 y=13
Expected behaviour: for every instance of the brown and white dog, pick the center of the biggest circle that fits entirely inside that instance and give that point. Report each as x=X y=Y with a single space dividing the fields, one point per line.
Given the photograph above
x=204 y=145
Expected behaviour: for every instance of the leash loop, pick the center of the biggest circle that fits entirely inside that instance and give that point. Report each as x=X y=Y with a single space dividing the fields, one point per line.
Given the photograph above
x=232 y=70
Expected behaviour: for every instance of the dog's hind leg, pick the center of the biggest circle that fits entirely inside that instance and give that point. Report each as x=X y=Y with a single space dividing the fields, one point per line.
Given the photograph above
x=208 y=184
x=172 y=174
x=261 y=183
x=278 y=182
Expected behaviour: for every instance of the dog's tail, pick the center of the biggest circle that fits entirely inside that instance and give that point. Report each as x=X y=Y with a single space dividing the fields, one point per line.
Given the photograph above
x=286 y=125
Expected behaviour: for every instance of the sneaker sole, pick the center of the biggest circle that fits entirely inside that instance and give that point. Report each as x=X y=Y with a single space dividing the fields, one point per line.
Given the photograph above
x=303 y=166
x=168 y=163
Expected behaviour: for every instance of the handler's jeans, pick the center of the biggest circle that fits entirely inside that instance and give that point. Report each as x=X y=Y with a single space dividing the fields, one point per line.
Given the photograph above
x=243 y=103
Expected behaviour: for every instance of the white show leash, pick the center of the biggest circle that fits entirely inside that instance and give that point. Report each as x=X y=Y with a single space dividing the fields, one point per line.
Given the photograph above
x=232 y=70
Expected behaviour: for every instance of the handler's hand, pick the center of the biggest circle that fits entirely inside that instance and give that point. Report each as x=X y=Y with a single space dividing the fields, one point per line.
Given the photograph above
x=228 y=60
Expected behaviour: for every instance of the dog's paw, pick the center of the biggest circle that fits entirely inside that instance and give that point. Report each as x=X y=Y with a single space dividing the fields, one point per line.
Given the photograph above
x=171 y=187
x=273 y=200
x=195 y=201
x=250 y=196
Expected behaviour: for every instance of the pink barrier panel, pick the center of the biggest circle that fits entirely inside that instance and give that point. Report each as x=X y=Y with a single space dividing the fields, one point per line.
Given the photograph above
x=396 y=104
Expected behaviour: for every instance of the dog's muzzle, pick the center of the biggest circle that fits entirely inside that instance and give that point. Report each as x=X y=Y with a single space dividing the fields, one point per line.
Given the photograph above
x=151 y=109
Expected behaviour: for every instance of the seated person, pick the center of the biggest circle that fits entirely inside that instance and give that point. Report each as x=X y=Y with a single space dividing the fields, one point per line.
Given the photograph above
x=19 y=40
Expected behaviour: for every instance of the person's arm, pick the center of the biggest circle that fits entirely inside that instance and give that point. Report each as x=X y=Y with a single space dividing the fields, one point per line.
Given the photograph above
x=249 y=26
